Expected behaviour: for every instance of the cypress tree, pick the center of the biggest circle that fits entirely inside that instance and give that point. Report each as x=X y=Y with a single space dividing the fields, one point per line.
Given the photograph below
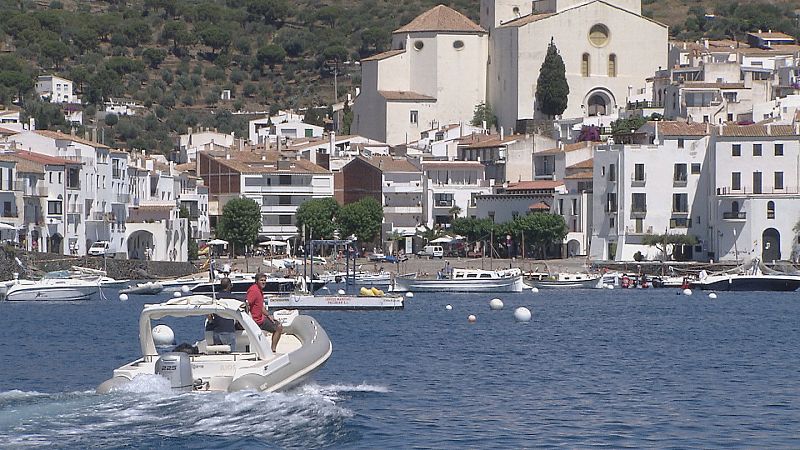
x=552 y=88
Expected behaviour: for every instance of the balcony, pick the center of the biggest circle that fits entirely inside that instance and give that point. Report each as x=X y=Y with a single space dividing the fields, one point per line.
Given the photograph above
x=679 y=182
x=632 y=230
x=75 y=209
x=122 y=198
x=638 y=180
x=638 y=212
x=444 y=204
x=730 y=215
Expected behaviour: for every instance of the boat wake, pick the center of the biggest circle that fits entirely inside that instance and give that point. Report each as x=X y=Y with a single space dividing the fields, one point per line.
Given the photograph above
x=146 y=412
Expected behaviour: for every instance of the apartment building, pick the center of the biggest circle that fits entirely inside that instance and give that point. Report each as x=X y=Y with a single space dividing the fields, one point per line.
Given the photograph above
x=449 y=190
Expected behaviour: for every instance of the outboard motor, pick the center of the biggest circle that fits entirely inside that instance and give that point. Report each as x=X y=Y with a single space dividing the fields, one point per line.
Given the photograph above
x=177 y=368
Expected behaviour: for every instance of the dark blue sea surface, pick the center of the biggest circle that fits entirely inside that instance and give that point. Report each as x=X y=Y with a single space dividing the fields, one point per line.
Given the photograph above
x=593 y=368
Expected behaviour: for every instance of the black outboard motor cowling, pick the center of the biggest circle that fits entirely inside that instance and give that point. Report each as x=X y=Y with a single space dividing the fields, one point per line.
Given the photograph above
x=177 y=368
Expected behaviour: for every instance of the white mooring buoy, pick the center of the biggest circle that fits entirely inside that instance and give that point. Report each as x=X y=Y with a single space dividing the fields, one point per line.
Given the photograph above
x=123 y=297
x=522 y=314
x=163 y=335
x=471 y=318
x=176 y=294
x=712 y=296
x=409 y=294
x=448 y=307
x=185 y=289
x=687 y=291
x=496 y=304
x=534 y=290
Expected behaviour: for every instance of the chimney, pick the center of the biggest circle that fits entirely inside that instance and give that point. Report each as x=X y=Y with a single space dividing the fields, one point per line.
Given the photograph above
x=769 y=129
x=94 y=134
x=657 y=139
x=31 y=124
x=227 y=155
x=332 y=143
x=502 y=134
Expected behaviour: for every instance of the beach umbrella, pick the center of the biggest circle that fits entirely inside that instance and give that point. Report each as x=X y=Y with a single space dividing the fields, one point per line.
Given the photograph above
x=217 y=242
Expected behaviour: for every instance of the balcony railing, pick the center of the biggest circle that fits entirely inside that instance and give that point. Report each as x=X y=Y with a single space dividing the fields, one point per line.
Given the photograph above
x=679 y=182
x=729 y=215
x=638 y=181
x=645 y=105
x=638 y=212
x=632 y=230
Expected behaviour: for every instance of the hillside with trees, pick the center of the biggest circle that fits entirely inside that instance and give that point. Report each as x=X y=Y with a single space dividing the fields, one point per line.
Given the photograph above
x=176 y=57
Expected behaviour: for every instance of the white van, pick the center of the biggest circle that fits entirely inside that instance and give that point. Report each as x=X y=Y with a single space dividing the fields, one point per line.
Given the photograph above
x=99 y=248
x=431 y=251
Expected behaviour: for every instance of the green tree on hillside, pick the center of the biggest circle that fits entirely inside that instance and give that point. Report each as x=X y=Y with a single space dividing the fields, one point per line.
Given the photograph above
x=551 y=87
x=240 y=223
x=483 y=113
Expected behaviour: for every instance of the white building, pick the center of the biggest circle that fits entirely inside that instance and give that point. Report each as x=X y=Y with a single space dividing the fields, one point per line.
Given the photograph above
x=283 y=126
x=451 y=184
x=203 y=139
x=56 y=89
x=435 y=73
x=442 y=65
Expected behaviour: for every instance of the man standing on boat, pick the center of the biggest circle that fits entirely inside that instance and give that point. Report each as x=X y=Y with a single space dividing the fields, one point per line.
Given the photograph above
x=258 y=309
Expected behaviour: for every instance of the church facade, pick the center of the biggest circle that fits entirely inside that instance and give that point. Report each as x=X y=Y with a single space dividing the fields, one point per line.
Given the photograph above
x=442 y=64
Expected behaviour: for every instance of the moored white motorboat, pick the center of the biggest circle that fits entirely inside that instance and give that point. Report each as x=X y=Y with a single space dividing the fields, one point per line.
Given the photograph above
x=54 y=286
x=571 y=281
x=464 y=280
x=147 y=288
x=342 y=302
x=246 y=363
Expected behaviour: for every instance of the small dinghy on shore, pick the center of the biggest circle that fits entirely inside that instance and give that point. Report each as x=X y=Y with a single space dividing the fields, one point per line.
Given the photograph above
x=245 y=360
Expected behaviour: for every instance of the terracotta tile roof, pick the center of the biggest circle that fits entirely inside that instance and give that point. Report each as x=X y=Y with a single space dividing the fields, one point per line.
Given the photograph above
x=775 y=49
x=539 y=206
x=443 y=19
x=579 y=176
x=68 y=137
x=252 y=162
x=154 y=208
x=756 y=130
x=7 y=132
x=534 y=185
x=566 y=149
x=186 y=167
x=495 y=141
x=681 y=128
x=770 y=35
x=383 y=55
x=587 y=164
x=406 y=96
x=391 y=164
x=45 y=159
x=530 y=18
x=473 y=138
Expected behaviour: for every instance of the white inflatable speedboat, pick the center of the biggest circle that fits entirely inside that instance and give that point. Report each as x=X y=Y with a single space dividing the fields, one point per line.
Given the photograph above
x=244 y=362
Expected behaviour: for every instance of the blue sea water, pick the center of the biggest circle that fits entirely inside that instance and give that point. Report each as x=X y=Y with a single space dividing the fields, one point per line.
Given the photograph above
x=594 y=368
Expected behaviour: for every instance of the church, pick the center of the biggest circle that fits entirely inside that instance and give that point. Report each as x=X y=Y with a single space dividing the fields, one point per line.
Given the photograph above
x=441 y=64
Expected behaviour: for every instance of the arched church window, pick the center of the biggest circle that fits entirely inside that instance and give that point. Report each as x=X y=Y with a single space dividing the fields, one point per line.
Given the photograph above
x=770 y=210
x=612 y=65
x=585 y=65
x=598 y=35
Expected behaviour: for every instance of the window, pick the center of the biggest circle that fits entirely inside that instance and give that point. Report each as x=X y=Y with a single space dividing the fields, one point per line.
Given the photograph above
x=638 y=225
x=284 y=220
x=418 y=45
x=778 y=180
x=680 y=203
x=598 y=35
x=756 y=182
x=778 y=149
x=736 y=181
x=756 y=149
x=612 y=65
x=639 y=202
x=680 y=143
x=612 y=173
x=284 y=200
x=414 y=117
x=55 y=207
x=458 y=45
x=695 y=168
x=611 y=202
x=574 y=207
x=284 y=180
x=736 y=150
x=680 y=222
x=638 y=172
x=770 y=210
x=585 y=65
x=679 y=173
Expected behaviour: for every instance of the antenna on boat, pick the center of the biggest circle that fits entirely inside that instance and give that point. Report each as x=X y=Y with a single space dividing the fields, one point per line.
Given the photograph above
x=211 y=274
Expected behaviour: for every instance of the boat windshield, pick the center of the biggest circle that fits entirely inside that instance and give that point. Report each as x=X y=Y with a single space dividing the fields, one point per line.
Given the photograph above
x=56 y=275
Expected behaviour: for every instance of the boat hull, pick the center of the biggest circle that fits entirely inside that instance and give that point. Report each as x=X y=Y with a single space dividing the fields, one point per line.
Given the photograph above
x=50 y=293
x=590 y=283
x=508 y=284
x=775 y=283
x=346 y=302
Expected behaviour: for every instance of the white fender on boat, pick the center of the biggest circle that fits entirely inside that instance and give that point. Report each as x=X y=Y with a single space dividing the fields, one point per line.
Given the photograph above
x=496 y=304
x=712 y=296
x=471 y=318
x=522 y=314
x=123 y=297
x=163 y=335
x=185 y=289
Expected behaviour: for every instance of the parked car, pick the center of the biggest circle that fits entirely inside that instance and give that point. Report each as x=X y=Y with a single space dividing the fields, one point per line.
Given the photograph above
x=99 y=248
x=431 y=251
